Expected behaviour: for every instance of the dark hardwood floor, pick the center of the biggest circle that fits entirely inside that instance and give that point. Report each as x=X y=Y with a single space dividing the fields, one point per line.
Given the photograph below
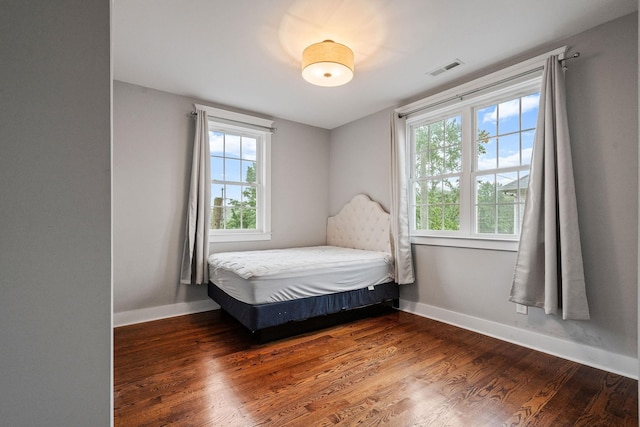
x=394 y=369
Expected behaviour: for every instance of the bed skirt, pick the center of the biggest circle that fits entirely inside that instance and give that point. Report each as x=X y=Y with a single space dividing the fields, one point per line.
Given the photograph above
x=262 y=316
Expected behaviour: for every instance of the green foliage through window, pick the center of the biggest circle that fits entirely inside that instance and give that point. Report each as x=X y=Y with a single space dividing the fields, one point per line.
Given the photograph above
x=438 y=162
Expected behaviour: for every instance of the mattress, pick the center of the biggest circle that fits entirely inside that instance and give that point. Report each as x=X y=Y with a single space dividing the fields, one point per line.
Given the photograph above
x=266 y=276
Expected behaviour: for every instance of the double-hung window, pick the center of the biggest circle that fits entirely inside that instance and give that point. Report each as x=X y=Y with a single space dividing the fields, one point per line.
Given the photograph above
x=240 y=177
x=469 y=160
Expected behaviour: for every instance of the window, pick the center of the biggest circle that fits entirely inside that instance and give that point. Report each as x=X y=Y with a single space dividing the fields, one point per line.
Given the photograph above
x=470 y=166
x=240 y=184
x=469 y=160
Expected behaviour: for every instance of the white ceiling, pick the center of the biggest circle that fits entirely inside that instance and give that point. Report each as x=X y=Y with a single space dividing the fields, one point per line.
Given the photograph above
x=245 y=54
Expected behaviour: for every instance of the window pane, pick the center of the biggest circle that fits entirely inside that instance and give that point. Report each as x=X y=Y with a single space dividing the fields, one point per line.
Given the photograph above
x=524 y=185
x=249 y=197
x=508 y=187
x=486 y=219
x=419 y=193
x=452 y=217
x=509 y=116
x=217 y=190
x=520 y=216
x=481 y=144
x=451 y=198
x=232 y=170
x=487 y=155
x=249 y=219
x=217 y=210
x=231 y=218
x=485 y=189
x=233 y=194
x=421 y=218
x=454 y=130
x=451 y=190
x=248 y=171
x=216 y=143
x=217 y=168
x=453 y=159
x=435 y=218
x=434 y=192
x=249 y=148
x=507 y=218
x=421 y=138
x=436 y=162
x=530 y=105
x=436 y=134
x=509 y=151
x=486 y=119
x=232 y=146
x=421 y=164
x=527 y=146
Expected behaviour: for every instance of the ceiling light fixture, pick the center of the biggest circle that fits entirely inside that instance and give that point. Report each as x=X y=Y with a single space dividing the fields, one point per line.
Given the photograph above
x=327 y=64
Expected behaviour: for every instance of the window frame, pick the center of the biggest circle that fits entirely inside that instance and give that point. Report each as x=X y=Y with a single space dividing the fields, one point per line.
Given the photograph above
x=244 y=125
x=510 y=83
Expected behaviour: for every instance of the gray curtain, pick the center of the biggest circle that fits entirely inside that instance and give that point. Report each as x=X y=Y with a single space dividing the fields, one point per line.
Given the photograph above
x=194 y=268
x=400 y=204
x=549 y=270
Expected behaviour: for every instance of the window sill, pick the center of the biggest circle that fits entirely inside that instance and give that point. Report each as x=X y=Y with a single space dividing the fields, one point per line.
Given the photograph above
x=467 y=242
x=238 y=237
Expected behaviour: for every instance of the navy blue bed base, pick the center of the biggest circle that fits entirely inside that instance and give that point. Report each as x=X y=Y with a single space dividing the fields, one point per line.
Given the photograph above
x=261 y=316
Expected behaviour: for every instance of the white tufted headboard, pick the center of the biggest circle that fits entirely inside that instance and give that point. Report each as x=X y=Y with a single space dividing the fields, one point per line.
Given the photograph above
x=361 y=224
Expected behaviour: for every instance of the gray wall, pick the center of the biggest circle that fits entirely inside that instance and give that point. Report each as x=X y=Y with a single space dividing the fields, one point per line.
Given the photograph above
x=153 y=138
x=55 y=243
x=602 y=90
x=360 y=161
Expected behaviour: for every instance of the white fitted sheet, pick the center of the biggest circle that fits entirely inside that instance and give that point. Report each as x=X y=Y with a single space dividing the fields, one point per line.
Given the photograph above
x=258 y=277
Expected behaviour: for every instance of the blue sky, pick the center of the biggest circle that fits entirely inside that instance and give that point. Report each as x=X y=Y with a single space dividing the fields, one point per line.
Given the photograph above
x=500 y=121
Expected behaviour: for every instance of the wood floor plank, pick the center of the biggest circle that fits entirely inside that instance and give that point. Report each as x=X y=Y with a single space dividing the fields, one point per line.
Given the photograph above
x=394 y=369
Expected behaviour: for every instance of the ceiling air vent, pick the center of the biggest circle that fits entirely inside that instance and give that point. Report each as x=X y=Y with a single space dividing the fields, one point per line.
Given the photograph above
x=442 y=69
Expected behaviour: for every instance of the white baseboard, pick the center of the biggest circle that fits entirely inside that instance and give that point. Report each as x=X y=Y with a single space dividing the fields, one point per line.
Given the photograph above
x=162 y=312
x=580 y=353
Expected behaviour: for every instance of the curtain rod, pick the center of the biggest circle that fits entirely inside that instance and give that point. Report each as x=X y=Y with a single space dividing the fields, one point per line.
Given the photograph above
x=480 y=89
x=193 y=115
x=574 y=56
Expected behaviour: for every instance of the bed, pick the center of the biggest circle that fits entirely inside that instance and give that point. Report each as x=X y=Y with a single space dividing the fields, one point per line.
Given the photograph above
x=278 y=288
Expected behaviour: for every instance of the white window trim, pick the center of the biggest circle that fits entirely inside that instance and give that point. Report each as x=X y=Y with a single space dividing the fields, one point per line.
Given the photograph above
x=496 y=244
x=233 y=117
x=442 y=103
x=252 y=125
